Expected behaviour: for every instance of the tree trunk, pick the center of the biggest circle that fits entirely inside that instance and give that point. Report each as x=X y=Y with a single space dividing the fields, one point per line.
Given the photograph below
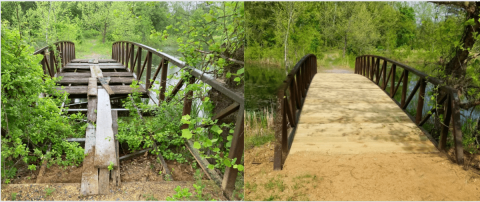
x=457 y=66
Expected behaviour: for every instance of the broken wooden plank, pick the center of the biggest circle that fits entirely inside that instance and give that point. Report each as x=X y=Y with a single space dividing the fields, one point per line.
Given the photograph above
x=111 y=74
x=133 y=155
x=89 y=137
x=104 y=81
x=75 y=139
x=95 y=61
x=103 y=181
x=86 y=61
x=116 y=172
x=89 y=185
x=95 y=71
x=85 y=67
x=117 y=90
x=84 y=80
x=42 y=168
x=92 y=87
x=91 y=109
x=100 y=64
x=211 y=174
x=105 y=145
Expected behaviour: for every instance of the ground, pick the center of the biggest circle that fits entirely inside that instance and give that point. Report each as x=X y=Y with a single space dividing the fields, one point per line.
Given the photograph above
x=129 y=191
x=364 y=177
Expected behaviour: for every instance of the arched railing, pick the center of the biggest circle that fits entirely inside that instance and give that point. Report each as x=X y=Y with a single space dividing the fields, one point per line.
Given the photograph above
x=66 y=53
x=124 y=52
x=290 y=98
x=369 y=66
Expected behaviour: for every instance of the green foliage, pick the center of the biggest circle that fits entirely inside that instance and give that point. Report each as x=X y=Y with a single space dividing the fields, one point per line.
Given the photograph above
x=30 y=122
x=110 y=167
x=14 y=196
x=49 y=191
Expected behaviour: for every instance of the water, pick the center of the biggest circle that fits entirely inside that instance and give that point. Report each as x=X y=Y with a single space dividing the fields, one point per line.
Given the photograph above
x=261 y=85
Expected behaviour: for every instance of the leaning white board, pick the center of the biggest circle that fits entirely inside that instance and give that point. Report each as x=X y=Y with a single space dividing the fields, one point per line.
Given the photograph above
x=104 y=141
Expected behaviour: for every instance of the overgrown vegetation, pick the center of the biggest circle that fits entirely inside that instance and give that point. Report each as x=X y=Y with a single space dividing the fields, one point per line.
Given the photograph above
x=32 y=121
x=209 y=36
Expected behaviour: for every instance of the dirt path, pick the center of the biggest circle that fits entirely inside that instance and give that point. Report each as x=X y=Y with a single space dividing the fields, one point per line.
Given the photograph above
x=309 y=176
x=129 y=191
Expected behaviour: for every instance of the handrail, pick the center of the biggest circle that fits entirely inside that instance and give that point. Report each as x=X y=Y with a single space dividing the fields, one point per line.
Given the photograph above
x=369 y=66
x=124 y=52
x=289 y=105
x=50 y=66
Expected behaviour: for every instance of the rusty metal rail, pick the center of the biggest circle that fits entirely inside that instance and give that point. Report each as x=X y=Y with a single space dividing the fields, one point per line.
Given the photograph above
x=66 y=51
x=289 y=105
x=124 y=52
x=369 y=66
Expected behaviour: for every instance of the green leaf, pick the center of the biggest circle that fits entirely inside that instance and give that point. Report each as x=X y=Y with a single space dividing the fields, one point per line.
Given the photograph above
x=216 y=129
x=211 y=166
x=227 y=163
x=196 y=145
x=186 y=134
x=240 y=167
x=240 y=71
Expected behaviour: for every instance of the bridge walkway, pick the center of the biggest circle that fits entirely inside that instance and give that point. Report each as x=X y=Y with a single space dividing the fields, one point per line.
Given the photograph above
x=349 y=114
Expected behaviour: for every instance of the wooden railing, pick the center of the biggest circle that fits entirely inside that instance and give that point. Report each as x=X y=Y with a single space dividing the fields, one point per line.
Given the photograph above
x=291 y=96
x=124 y=52
x=369 y=66
x=66 y=51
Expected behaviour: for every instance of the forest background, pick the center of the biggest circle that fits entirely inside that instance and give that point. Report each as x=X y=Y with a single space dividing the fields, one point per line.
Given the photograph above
x=427 y=36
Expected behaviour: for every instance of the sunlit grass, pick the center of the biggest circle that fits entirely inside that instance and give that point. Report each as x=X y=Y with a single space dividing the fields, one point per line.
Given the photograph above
x=259 y=127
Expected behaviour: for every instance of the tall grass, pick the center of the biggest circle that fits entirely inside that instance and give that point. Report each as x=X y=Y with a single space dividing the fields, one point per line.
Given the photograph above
x=259 y=127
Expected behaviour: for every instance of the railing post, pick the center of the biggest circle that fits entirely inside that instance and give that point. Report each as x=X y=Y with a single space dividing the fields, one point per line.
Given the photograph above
x=404 y=88
x=52 y=62
x=236 y=151
x=447 y=105
x=421 y=97
x=279 y=122
x=384 y=74
x=149 y=70
x=139 y=64
x=132 y=55
x=392 y=84
x=163 y=79
x=187 y=103
x=457 y=128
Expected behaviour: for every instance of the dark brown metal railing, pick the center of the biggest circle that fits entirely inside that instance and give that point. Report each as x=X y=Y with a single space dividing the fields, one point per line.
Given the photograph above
x=124 y=52
x=289 y=104
x=369 y=66
x=66 y=51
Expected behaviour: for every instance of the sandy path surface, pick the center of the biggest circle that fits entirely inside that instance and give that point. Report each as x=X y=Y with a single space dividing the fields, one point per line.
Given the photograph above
x=364 y=177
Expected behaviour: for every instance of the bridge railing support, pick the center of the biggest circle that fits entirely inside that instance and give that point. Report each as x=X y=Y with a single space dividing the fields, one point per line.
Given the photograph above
x=51 y=64
x=375 y=68
x=290 y=98
x=130 y=55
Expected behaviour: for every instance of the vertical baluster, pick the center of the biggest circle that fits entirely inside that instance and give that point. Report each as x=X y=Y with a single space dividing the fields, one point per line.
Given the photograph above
x=292 y=99
x=236 y=151
x=149 y=69
x=163 y=80
x=132 y=55
x=139 y=64
x=52 y=63
x=384 y=74
x=447 y=105
x=404 y=88
x=392 y=84
x=187 y=104
x=421 y=97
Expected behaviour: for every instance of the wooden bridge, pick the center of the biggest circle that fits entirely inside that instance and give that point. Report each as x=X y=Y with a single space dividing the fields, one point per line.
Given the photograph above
x=104 y=81
x=328 y=114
